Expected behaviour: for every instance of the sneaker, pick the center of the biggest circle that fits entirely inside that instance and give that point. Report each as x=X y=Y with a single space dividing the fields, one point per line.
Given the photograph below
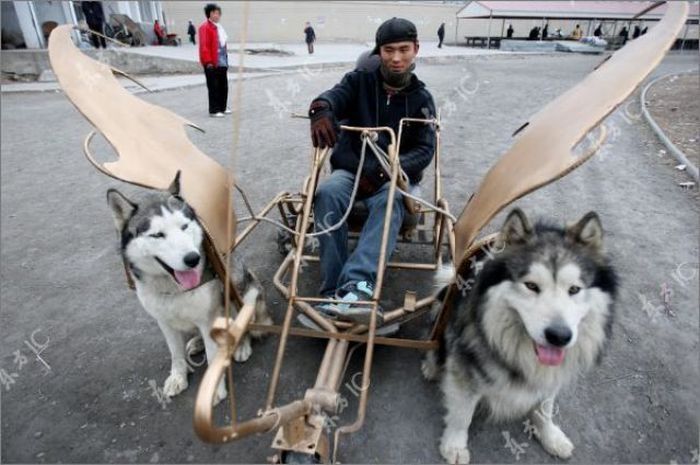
x=216 y=115
x=326 y=309
x=228 y=111
x=354 y=292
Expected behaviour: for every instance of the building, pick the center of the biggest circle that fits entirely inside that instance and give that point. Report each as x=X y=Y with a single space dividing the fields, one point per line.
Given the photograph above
x=24 y=24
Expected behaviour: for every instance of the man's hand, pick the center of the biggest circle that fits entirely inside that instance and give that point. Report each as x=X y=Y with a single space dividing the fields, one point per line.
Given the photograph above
x=322 y=124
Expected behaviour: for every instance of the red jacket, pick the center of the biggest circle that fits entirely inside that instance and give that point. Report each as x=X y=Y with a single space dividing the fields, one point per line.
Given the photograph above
x=208 y=44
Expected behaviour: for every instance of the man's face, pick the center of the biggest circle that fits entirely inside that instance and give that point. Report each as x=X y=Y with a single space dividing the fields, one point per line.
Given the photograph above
x=398 y=56
x=215 y=15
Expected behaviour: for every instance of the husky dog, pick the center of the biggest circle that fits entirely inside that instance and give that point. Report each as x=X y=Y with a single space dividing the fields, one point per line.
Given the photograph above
x=161 y=244
x=539 y=313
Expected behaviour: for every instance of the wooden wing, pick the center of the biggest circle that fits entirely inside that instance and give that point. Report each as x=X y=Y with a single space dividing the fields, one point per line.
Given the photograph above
x=543 y=150
x=150 y=141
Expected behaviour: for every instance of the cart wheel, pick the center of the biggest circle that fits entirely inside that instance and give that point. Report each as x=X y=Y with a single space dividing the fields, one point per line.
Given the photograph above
x=292 y=457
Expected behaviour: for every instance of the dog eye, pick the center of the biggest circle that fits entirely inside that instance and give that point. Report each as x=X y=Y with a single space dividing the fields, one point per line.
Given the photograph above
x=184 y=226
x=159 y=235
x=574 y=290
x=533 y=287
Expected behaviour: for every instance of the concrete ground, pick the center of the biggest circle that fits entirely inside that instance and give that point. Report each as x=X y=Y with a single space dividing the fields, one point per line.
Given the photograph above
x=297 y=54
x=63 y=283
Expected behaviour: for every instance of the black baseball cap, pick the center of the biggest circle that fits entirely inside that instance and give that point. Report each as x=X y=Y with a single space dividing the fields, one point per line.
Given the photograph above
x=394 y=30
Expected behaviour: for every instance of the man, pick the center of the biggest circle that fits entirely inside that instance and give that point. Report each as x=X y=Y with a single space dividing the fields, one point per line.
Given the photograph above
x=214 y=58
x=598 y=32
x=578 y=33
x=158 y=31
x=310 y=37
x=545 y=31
x=637 y=32
x=368 y=98
x=441 y=34
x=624 y=34
x=509 y=32
x=95 y=18
x=192 y=32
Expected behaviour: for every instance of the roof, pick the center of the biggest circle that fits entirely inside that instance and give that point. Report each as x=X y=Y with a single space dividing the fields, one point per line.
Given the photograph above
x=565 y=10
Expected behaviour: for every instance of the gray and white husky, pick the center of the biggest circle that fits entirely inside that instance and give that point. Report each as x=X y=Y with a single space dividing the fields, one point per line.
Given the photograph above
x=538 y=314
x=161 y=244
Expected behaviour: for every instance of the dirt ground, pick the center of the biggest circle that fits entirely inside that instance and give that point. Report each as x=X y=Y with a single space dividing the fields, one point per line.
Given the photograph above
x=674 y=103
x=62 y=283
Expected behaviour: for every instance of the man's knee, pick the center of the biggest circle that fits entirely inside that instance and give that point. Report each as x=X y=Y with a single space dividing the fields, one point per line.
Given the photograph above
x=334 y=189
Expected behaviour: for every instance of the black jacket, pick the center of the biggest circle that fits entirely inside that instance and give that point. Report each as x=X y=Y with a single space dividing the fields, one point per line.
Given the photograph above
x=93 y=13
x=310 y=35
x=361 y=100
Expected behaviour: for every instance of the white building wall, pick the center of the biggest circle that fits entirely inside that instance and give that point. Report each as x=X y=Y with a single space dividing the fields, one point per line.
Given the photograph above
x=283 y=21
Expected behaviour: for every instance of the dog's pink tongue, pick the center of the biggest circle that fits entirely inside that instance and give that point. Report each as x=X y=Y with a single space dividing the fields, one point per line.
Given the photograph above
x=548 y=355
x=188 y=279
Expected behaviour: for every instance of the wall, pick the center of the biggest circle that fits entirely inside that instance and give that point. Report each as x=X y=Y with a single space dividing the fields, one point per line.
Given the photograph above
x=355 y=21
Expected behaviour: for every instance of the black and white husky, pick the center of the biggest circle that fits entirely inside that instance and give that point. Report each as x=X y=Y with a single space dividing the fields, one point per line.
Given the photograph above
x=537 y=315
x=161 y=244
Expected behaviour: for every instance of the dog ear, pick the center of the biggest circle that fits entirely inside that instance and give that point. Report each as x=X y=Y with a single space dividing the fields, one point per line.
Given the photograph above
x=122 y=208
x=587 y=231
x=516 y=229
x=174 y=188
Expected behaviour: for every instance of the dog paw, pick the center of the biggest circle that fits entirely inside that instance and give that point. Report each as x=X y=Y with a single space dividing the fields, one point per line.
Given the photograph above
x=244 y=351
x=429 y=368
x=556 y=443
x=454 y=454
x=175 y=384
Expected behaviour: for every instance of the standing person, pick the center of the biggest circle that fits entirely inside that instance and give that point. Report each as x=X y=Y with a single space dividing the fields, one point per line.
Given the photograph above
x=378 y=97
x=310 y=37
x=214 y=58
x=95 y=18
x=158 y=31
x=509 y=32
x=624 y=33
x=578 y=33
x=637 y=32
x=545 y=31
x=441 y=34
x=192 y=32
x=598 y=31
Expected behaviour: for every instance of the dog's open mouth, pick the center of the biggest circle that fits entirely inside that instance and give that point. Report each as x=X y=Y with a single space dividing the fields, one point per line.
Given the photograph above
x=548 y=355
x=185 y=279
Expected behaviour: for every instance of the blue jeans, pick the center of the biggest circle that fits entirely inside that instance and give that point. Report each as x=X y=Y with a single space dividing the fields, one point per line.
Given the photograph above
x=331 y=202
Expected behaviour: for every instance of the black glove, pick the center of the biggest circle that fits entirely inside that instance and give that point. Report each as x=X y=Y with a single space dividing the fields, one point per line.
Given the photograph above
x=322 y=124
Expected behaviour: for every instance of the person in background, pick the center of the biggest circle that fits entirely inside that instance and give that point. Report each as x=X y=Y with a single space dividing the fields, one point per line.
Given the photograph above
x=158 y=31
x=214 y=58
x=441 y=34
x=637 y=32
x=598 y=31
x=545 y=31
x=534 y=33
x=310 y=37
x=577 y=33
x=624 y=33
x=95 y=18
x=192 y=32
x=644 y=31
x=509 y=32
